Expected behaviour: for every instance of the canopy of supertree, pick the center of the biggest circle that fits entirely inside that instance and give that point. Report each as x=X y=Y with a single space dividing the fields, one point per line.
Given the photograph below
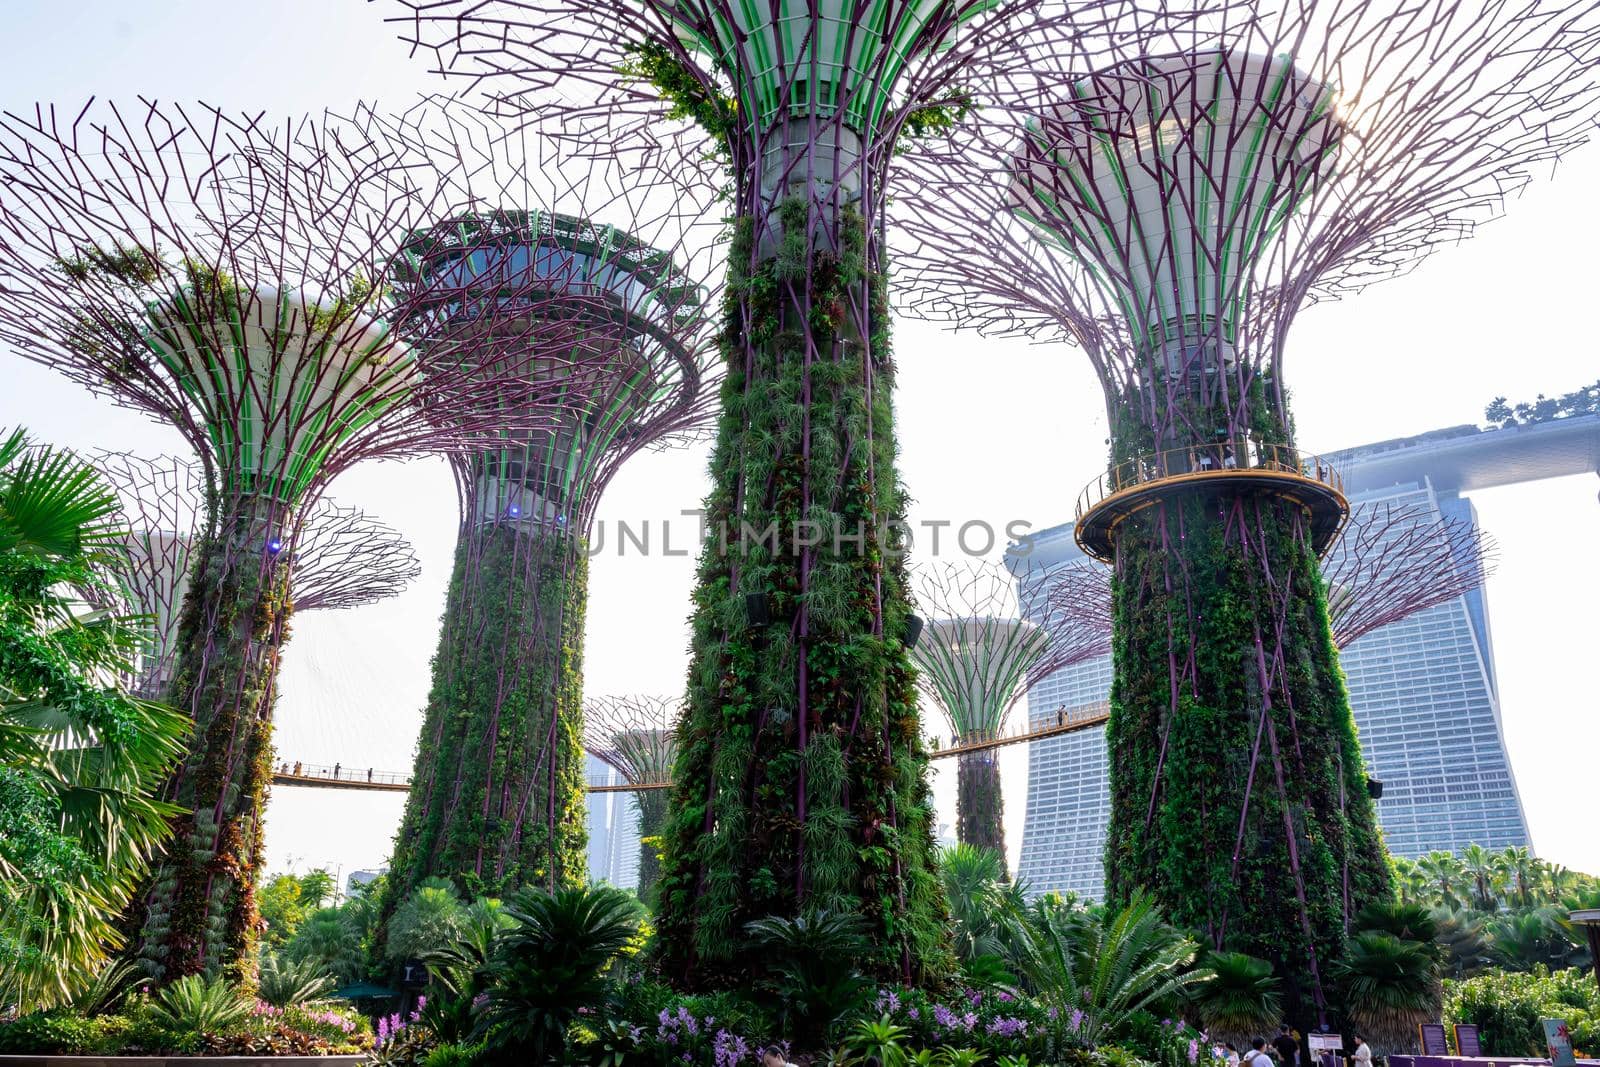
x=802 y=782
x=1390 y=562
x=1169 y=201
x=637 y=737
x=600 y=282
x=341 y=558
x=976 y=659
x=217 y=272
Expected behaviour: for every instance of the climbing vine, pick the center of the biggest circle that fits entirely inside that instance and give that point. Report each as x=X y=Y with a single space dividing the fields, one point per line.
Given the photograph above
x=801 y=773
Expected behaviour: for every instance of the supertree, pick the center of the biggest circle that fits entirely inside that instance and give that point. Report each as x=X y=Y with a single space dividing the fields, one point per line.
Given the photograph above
x=598 y=279
x=1169 y=202
x=218 y=272
x=1393 y=561
x=637 y=737
x=341 y=557
x=976 y=658
x=801 y=783
x=1390 y=562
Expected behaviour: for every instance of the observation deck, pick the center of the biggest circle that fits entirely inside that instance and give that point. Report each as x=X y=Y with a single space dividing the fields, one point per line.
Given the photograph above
x=1305 y=480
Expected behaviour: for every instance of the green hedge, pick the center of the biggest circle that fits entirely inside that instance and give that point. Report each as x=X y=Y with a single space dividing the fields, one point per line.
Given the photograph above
x=1508 y=1006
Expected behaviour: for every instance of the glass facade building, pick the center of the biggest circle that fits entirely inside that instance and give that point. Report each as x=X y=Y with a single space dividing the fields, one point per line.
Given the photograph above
x=1425 y=700
x=613 y=829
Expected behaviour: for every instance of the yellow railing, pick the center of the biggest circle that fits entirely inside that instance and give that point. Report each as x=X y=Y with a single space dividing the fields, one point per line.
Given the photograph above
x=1222 y=457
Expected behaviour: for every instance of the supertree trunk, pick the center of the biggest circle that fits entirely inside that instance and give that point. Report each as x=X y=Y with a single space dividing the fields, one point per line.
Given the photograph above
x=652 y=819
x=198 y=911
x=498 y=799
x=980 y=806
x=801 y=774
x=1238 y=788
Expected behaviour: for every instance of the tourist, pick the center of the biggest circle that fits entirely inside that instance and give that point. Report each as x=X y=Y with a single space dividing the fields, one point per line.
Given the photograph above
x=774 y=1057
x=1230 y=1054
x=1361 y=1055
x=1287 y=1046
x=336 y=770
x=1257 y=1056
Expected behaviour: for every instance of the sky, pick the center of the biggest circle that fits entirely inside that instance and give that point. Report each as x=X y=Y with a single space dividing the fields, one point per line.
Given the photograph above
x=997 y=431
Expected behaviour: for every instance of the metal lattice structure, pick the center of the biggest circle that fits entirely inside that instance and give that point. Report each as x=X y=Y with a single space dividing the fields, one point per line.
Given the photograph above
x=600 y=282
x=1391 y=562
x=1168 y=199
x=976 y=658
x=795 y=110
x=637 y=737
x=217 y=272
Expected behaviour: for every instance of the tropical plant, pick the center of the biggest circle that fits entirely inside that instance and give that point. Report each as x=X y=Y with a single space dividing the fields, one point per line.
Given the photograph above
x=1390 y=986
x=1110 y=966
x=1446 y=877
x=286 y=983
x=1460 y=936
x=330 y=938
x=1240 y=1000
x=1409 y=922
x=1535 y=936
x=80 y=761
x=550 y=964
x=107 y=989
x=810 y=962
x=429 y=919
x=198 y=1005
x=879 y=1041
x=1486 y=872
x=987 y=909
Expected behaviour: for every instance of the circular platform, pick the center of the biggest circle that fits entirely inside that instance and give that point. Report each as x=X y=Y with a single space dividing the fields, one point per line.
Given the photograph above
x=1302 y=479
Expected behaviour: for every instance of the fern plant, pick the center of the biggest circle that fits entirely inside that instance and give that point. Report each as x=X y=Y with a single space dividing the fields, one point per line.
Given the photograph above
x=809 y=968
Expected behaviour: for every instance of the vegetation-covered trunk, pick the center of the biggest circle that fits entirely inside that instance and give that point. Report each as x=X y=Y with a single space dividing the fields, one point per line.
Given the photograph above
x=198 y=911
x=652 y=818
x=801 y=777
x=1238 y=789
x=498 y=796
x=980 y=807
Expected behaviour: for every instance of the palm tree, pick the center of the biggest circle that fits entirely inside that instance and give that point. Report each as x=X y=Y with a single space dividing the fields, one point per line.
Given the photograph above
x=1242 y=1000
x=1410 y=880
x=1533 y=936
x=1409 y=922
x=1109 y=965
x=1444 y=872
x=1390 y=986
x=1461 y=938
x=551 y=963
x=80 y=760
x=987 y=909
x=1520 y=864
x=1487 y=871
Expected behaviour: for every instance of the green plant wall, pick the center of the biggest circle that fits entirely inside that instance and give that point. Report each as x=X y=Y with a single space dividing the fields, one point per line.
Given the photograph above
x=980 y=805
x=1238 y=787
x=198 y=910
x=498 y=797
x=776 y=811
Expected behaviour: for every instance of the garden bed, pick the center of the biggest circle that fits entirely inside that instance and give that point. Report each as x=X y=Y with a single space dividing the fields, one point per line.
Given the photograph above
x=185 y=1061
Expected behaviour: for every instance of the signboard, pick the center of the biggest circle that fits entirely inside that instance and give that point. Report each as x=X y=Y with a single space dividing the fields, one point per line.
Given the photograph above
x=1325 y=1043
x=1433 y=1039
x=1559 y=1041
x=1467 y=1043
x=413 y=974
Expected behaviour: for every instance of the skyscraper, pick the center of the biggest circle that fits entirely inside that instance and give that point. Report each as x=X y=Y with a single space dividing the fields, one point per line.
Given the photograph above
x=1423 y=691
x=613 y=829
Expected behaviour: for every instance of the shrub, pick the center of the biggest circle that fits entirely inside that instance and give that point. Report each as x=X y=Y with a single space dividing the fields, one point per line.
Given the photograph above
x=1507 y=1008
x=453 y=1055
x=550 y=966
x=63 y=1032
x=288 y=983
x=196 y=1005
x=428 y=920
